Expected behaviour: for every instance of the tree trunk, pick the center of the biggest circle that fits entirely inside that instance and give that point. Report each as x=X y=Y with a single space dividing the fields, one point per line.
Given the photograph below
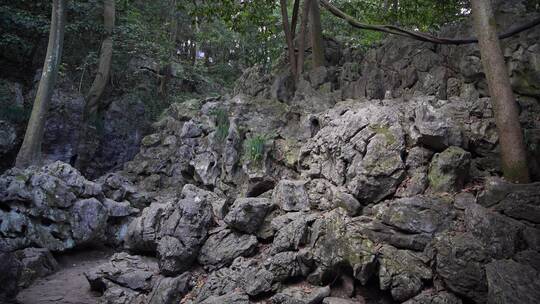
x=89 y=134
x=302 y=37
x=513 y=151
x=105 y=59
x=317 y=43
x=30 y=152
x=294 y=22
x=288 y=37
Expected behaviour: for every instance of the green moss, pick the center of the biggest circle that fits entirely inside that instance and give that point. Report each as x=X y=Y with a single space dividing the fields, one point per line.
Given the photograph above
x=384 y=130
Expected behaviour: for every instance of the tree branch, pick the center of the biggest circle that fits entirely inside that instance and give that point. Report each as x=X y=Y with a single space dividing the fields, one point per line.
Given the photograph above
x=395 y=30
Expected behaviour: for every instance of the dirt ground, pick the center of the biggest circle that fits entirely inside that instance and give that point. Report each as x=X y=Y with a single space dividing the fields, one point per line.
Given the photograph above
x=68 y=285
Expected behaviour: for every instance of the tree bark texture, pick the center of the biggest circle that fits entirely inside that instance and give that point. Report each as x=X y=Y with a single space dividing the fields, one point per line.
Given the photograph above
x=513 y=150
x=30 y=151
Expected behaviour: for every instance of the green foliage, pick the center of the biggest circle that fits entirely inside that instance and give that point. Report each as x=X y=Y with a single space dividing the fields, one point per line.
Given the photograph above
x=254 y=147
x=424 y=15
x=221 y=118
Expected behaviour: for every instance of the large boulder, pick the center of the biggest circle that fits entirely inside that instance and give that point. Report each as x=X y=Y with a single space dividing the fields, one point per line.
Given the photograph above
x=176 y=230
x=129 y=279
x=360 y=150
x=449 y=170
x=510 y=282
x=291 y=195
x=10 y=272
x=221 y=248
x=247 y=214
x=56 y=208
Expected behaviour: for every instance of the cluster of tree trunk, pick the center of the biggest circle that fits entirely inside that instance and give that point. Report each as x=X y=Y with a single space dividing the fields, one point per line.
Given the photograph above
x=310 y=15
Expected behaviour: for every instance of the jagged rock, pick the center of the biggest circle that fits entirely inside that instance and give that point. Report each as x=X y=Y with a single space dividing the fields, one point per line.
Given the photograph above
x=336 y=240
x=169 y=290
x=521 y=202
x=230 y=298
x=382 y=233
x=118 y=209
x=510 y=282
x=289 y=264
x=89 y=220
x=119 y=188
x=418 y=214
x=247 y=214
x=133 y=279
x=10 y=272
x=528 y=257
x=360 y=150
x=449 y=170
x=402 y=272
x=459 y=262
x=301 y=295
x=221 y=248
x=176 y=230
x=334 y=300
x=291 y=195
x=245 y=275
x=498 y=234
x=433 y=297
x=292 y=235
x=435 y=128
x=54 y=207
x=36 y=263
x=134 y=272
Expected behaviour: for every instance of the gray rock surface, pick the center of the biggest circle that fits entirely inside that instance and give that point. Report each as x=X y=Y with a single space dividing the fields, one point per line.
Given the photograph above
x=247 y=214
x=510 y=282
x=56 y=208
x=221 y=248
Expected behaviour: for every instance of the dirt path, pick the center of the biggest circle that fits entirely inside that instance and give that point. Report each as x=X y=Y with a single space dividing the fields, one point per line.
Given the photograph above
x=68 y=285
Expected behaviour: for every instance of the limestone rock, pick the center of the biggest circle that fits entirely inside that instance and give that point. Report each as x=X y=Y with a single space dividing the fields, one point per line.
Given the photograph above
x=221 y=248
x=449 y=170
x=247 y=214
x=291 y=195
x=510 y=282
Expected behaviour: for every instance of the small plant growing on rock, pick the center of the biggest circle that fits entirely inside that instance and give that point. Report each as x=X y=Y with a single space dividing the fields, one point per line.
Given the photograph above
x=254 y=147
x=221 y=118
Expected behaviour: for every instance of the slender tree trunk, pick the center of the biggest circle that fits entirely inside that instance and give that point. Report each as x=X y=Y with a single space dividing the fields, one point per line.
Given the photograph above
x=302 y=37
x=30 y=152
x=294 y=22
x=88 y=136
x=288 y=37
x=105 y=59
x=317 y=43
x=513 y=151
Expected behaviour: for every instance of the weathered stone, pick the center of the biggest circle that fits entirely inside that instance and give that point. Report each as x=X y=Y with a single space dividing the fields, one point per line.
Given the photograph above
x=459 y=262
x=36 y=263
x=230 y=298
x=433 y=297
x=418 y=214
x=510 y=282
x=498 y=234
x=221 y=248
x=291 y=195
x=402 y=272
x=176 y=230
x=449 y=170
x=301 y=295
x=247 y=214
x=10 y=272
